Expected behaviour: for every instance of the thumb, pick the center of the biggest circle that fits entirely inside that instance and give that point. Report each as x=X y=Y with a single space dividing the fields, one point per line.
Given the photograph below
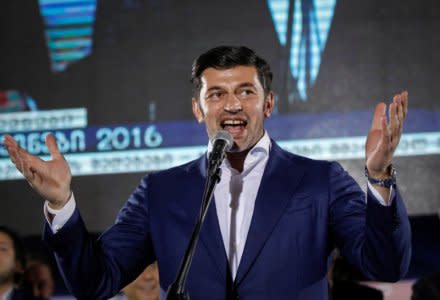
x=379 y=113
x=52 y=146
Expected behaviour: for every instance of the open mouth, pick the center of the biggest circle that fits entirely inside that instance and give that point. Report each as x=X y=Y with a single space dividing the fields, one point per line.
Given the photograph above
x=231 y=125
x=235 y=127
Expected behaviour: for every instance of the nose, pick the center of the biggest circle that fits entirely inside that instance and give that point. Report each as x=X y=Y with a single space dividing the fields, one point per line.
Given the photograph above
x=232 y=104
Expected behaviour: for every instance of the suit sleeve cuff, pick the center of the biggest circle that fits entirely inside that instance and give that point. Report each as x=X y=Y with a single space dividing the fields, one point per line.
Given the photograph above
x=59 y=217
x=378 y=197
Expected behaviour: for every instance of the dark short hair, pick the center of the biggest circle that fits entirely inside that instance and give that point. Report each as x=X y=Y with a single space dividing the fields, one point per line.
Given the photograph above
x=225 y=57
x=17 y=243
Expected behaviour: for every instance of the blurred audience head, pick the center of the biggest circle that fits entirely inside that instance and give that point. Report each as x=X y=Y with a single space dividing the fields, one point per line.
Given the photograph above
x=146 y=286
x=38 y=278
x=30 y=277
x=12 y=258
x=344 y=281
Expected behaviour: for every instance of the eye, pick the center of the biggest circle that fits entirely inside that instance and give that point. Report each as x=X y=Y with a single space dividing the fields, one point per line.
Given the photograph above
x=215 y=95
x=245 y=92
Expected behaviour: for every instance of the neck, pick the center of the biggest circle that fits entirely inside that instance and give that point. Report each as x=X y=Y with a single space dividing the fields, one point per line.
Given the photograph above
x=236 y=159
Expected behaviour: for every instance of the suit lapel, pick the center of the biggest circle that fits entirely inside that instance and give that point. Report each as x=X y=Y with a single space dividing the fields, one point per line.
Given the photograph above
x=211 y=238
x=280 y=179
x=210 y=234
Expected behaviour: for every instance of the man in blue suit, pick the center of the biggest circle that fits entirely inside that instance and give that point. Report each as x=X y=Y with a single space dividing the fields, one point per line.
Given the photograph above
x=275 y=218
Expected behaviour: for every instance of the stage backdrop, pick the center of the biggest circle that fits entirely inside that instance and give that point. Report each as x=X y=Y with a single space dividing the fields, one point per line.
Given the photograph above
x=111 y=80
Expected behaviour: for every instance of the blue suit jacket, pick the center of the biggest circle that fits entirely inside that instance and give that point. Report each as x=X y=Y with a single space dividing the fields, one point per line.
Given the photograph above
x=303 y=209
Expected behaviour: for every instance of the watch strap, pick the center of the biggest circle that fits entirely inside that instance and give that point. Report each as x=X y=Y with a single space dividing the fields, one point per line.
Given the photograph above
x=386 y=182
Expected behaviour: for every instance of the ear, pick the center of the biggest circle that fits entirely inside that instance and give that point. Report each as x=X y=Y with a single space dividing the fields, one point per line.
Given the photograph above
x=197 y=110
x=269 y=105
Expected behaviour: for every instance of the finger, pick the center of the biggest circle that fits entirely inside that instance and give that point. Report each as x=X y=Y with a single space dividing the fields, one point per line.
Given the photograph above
x=27 y=172
x=25 y=163
x=383 y=144
x=22 y=166
x=21 y=160
x=9 y=142
x=405 y=104
x=11 y=145
x=52 y=146
x=33 y=173
x=397 y=123
x=385 y=139
x=392 y=115
x=399 y=112
x=22 y=154
x=402 y=110
x=379 y=113
x=12 y=148
x=15 y=158
x=33 y=165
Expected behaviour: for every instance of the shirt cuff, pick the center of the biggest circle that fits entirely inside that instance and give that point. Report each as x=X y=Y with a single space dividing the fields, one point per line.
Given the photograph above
x=59 y=217
x=378 y=196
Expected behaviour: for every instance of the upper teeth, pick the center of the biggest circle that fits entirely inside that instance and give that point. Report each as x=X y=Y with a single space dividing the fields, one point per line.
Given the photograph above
x=233 y=122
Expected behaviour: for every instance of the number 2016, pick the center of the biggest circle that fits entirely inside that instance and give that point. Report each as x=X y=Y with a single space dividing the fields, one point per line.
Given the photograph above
x=121 y=138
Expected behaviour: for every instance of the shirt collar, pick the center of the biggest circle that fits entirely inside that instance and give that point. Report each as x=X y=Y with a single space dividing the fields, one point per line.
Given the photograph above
x=258 y=154
x=263 y=145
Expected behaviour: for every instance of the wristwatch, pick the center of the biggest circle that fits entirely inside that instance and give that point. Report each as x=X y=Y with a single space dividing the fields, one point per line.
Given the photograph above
x=387 y=182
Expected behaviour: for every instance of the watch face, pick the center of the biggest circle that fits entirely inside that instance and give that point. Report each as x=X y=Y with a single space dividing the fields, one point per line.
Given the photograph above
x=382 y=182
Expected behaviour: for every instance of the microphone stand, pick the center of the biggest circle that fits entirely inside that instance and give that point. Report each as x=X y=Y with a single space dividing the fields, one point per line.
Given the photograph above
x=176 y=289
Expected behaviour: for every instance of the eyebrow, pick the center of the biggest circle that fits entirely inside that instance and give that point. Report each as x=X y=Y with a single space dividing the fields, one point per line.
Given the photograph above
x=246 y=84
x=215 y=87
x=241 y=85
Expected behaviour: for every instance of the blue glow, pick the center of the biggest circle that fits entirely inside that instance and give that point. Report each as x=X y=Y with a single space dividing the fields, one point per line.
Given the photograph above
x=69 y=29
x=58 y=2
x=77 y=9
x=309 y=35
x=70 y=43
x=69 y=56
x=69 y=20
x=69 y=33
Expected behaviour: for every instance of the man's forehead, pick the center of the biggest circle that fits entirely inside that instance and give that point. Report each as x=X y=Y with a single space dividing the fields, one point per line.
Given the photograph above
x=235 y=75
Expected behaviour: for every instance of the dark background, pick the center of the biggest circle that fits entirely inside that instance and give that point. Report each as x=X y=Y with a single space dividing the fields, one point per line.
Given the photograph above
x=142 y=53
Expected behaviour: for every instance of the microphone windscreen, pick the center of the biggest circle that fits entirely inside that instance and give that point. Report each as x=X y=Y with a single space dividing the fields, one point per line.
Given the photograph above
x=223 y=135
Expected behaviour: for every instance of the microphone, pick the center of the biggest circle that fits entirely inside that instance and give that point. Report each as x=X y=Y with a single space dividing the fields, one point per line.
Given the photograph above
x=221 y=142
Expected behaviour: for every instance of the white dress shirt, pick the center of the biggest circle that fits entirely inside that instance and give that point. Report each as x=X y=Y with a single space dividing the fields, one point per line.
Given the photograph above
x=235 y=197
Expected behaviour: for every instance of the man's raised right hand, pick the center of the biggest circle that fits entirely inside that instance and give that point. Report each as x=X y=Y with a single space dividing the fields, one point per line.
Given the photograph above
x=50 y=179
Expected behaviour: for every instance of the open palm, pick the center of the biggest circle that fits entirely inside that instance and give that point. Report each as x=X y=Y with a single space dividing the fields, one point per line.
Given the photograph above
x=384 y=136
x=50 y=179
